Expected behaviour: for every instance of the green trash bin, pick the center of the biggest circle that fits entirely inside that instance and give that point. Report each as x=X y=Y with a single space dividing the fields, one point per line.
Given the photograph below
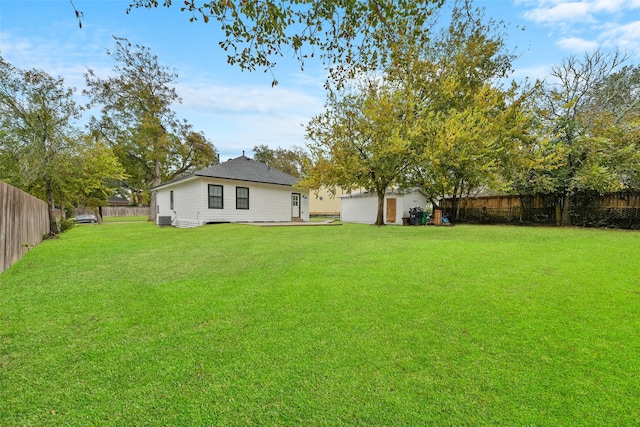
x=425 y=215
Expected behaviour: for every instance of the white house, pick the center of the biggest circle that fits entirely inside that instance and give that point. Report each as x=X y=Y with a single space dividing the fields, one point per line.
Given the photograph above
x=239 y=190
x=363 y=207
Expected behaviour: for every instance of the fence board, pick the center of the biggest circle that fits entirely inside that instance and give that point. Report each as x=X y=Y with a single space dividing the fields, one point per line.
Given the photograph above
x=116 y=211
x=588 y=209
x=24 y=221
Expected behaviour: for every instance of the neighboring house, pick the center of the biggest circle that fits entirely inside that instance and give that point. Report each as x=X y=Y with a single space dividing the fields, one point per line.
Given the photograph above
x=117 y=201
x=238 y=190
x=324 y=203
x=363 y=207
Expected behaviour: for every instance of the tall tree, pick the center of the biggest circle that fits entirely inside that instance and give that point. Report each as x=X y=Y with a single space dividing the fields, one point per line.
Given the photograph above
x=37 y=113
x=139 y=123
x=292 y=161
x=360 y=141
x=464 y=119
x=345 y=33
x=613 y=115
x=569 y=97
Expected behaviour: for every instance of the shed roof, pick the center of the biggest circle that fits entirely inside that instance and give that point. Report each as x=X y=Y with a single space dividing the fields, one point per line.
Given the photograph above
x=242 y=169
x=389 y=192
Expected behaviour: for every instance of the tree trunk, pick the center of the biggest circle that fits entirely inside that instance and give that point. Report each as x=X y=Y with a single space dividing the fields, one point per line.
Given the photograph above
x=565 y=219
x=53 y=223
x=152 y=207
x=98 y=212
x=558 y=213
x=380 y=215
x=153 y=202
x=455 y=201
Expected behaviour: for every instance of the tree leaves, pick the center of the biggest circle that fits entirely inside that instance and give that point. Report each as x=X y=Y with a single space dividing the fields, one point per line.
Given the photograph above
x=138 y=120
x=360 y=141
x=37 y=113
x=347 y=33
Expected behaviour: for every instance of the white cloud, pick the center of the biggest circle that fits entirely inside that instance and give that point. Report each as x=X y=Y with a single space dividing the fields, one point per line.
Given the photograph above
x=607 y=6
x=567 y=13
x=67 y=59
x=584 y=25
x=537 y=72
x=259 y=99
x=625 y=36
x=561 y=13
x=576 y=44
x=238 y=118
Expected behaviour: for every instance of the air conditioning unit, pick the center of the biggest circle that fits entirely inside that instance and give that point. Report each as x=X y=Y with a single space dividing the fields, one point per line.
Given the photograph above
x=164 y=220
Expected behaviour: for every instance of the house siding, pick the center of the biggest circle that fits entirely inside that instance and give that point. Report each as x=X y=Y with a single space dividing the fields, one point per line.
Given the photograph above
x=363 y=209
x=267 y=202
x=412 y=200
x=323 y=202
x=359 y=209
x=187 y=204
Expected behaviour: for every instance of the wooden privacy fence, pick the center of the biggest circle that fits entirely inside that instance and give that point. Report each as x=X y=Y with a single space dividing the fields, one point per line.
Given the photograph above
x=116 y=211
x=24 y=222
x=621 y=210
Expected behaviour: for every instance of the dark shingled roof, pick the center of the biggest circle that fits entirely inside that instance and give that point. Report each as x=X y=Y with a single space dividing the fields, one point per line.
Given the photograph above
x=243 y=169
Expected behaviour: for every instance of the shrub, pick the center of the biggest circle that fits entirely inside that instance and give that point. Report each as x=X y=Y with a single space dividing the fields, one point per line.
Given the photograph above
x=65 y=224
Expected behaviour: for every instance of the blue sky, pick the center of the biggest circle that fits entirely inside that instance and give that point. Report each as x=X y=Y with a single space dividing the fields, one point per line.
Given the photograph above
x=237 y=110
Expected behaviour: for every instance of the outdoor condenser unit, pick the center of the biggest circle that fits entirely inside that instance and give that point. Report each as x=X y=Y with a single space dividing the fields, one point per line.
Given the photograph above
x=164 y=220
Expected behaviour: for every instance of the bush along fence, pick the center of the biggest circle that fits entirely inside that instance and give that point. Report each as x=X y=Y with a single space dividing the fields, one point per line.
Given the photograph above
x=618 y=210
x=24 y=223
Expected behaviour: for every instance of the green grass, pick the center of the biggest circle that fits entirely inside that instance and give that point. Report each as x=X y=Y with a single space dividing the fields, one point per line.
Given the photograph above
x=131 y=324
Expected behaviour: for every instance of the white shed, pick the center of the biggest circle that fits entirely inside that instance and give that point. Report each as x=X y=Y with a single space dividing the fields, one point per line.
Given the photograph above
x=362 y=208
x=239 y=190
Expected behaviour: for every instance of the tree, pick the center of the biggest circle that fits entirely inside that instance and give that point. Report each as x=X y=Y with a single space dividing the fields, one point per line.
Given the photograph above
x=613 y=114
x=587 y=157
x=462 y=150
x=360 y=141
x=346 y=33
x=139 y=124
x=37 y=113
x=87 y=174
x=464 y=121
x=292 y=161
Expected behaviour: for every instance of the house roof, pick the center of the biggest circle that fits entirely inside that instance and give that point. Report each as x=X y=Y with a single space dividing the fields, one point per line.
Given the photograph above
x=117 y=200
x=241 y=169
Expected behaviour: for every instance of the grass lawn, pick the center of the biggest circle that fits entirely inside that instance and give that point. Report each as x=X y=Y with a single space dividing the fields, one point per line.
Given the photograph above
x=130 y=324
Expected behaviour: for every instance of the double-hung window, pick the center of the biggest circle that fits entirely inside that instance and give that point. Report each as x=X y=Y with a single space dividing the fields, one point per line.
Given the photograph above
x=215 y=197
x=242 y=198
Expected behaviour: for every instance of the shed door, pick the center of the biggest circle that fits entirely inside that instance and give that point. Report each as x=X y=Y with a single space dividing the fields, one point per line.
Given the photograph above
x=391 y=210
x=295 y=205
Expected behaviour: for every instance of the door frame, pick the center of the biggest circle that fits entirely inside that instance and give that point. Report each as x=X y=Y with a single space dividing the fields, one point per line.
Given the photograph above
x=295 y=209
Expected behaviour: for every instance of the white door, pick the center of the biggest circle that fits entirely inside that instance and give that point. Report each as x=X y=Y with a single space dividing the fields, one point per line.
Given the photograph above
x=295 y=205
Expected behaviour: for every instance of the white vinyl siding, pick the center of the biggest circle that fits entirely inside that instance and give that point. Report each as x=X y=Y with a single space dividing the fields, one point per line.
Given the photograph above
x=359 y=209
x=186 y=201
x=363 y=209
x=267 y=202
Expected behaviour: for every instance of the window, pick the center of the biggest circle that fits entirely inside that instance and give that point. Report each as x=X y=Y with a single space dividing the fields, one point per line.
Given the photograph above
x=215 y=197
x=242 y=198
x=171 y=199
